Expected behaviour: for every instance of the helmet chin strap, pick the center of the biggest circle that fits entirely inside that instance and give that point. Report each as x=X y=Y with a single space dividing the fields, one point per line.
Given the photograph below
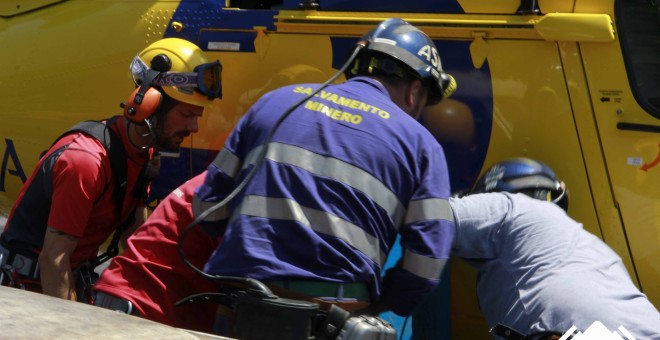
x=562 y=193
x=152 y=133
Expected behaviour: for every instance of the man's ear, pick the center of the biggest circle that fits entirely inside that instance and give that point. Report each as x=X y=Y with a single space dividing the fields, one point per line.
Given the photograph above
x=412 y=92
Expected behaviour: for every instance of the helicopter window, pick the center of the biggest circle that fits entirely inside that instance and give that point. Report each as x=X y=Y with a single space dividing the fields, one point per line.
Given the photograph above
x=256 y=4
x=638 y=23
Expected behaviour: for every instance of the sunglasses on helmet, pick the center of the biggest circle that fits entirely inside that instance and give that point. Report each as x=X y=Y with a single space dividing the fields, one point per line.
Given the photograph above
x=205 y=78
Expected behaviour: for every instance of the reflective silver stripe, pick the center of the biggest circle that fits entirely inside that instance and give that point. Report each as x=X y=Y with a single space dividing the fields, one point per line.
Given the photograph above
x=113 y=303
x=423 y=266
x=252 y=156
x=4 y=256
x=227 y=162
x=429 y=209
x=342 y=172
x=319 y=221
x=199 y=207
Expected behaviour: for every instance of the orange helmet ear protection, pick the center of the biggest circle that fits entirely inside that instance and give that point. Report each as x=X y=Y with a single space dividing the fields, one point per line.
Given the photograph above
x=137 y=110
x=146 y=99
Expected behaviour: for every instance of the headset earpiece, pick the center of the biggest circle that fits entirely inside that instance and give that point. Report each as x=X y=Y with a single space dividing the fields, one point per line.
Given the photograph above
x=145 y=100
x=560 y=196
x=448 y=85
x=140 y=108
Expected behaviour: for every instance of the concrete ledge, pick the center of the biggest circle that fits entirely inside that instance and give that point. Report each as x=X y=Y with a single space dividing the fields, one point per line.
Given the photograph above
x=28 y=315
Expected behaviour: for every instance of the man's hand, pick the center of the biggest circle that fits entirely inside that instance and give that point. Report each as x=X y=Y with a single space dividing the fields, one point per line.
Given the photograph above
x=55 y=266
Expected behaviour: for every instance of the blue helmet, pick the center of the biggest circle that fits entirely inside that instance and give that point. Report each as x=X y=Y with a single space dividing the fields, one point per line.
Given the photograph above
x=524 y=175
x=405 y=43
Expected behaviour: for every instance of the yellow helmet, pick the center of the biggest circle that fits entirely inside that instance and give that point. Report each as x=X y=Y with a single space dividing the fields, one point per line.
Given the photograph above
x=181 y=69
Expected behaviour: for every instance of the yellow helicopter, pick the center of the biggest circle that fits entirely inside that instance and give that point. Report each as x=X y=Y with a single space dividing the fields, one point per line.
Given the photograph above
x=573 y=83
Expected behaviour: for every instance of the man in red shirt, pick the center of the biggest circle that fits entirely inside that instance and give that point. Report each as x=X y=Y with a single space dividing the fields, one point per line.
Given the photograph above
x=71 y=204
x=149 y=276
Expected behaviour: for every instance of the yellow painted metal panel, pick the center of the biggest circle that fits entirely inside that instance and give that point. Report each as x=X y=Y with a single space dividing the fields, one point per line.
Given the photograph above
x=551 y=27
x=608 y=215
x=545 y=99
x=594 y=6
x=630 y=158
x=510 y=6
x=576 y=27
x=11 y=8
x=532 y=117
x=466 y=320
x=273 y=65
x=50 y=49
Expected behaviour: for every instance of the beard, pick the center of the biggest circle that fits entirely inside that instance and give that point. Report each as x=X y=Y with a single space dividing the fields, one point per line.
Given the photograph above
x=168 y=142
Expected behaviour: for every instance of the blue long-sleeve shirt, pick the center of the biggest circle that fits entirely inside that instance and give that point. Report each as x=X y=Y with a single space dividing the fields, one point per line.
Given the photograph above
x=539 y=270
x=343 y=174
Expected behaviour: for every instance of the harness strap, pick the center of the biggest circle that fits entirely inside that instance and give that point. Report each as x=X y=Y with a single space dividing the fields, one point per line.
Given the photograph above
x=19 y=262
x=115 y=148
x=118 y=158
x=340 y=290
x=114 y=303
x=506 y=332
x=509 y=333
x=350 y=306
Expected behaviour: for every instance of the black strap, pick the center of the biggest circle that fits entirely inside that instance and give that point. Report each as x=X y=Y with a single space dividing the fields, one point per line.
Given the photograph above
x=509 y=333
x=330 y=325
x=506 y=332
x=113 y=144
x=118 y=163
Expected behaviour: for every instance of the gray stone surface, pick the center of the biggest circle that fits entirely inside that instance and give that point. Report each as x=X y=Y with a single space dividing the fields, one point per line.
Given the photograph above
x=27 y=315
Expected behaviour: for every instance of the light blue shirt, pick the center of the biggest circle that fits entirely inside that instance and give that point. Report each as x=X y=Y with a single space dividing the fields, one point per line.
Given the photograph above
x=539 y=270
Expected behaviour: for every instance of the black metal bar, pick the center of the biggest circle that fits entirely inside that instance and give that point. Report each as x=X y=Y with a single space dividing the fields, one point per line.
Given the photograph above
x=528 y=7
x=309 y=4
x=638 y=127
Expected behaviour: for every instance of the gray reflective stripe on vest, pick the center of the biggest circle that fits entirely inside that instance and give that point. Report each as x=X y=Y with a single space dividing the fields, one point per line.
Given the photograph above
x=227 y=162
x=318 y=165
x=230 y=164
x=429 y=209
x=423 y=266
x=426 y=210
x=342 y=172
x=319 y=221
x=199 y=207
